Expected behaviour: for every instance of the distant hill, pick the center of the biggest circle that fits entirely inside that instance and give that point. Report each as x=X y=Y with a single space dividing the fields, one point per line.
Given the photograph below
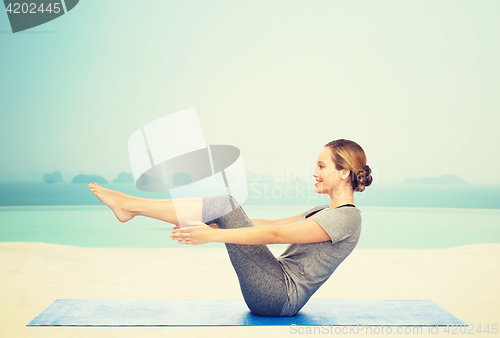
x=88 y=179
x=443 y=179
x=124 y=177
x=55 y=177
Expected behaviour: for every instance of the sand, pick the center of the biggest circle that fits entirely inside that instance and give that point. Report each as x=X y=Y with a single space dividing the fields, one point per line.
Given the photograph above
x=463 y=280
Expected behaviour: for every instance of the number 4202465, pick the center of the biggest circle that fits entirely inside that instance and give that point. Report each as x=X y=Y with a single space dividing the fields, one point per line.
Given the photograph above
x=32 y=8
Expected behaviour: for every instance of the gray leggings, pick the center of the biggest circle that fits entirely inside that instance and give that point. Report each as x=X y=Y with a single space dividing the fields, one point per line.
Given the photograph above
x=261 y=277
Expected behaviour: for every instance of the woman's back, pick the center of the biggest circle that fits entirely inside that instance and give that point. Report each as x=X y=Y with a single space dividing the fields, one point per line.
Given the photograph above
x=308 y=265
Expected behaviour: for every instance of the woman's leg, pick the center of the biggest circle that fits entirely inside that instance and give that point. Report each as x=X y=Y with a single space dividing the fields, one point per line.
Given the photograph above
x=126 y=207
x=260 y=275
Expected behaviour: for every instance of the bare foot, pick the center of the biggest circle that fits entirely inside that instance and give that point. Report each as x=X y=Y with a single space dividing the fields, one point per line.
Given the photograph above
x=115 y=200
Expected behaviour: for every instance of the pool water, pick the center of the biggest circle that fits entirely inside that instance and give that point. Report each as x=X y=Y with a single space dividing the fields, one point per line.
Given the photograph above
x=382 y=227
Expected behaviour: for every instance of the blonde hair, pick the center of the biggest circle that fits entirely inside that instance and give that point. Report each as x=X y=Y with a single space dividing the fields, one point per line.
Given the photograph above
x=349 y=155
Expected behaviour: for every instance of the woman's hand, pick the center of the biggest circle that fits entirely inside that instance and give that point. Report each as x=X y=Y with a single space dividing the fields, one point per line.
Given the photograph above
x=197 y=234
x=213 y=226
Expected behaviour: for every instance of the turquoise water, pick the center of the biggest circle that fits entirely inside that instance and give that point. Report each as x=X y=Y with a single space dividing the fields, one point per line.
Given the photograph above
x=398 y=195
x=383 y=227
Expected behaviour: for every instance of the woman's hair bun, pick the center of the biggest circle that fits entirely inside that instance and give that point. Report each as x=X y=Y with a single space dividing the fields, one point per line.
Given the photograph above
x=368 y=170
x=363 y=178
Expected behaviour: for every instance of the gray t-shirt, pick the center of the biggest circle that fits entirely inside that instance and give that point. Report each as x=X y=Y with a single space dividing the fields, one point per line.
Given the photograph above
x=307 y=266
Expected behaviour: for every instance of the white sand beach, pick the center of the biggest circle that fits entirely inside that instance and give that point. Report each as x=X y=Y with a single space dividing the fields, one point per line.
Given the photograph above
x=463 y=280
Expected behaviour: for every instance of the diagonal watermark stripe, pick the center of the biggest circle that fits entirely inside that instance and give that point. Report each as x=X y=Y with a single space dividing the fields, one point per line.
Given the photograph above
x=171 y=153
x=28 y=14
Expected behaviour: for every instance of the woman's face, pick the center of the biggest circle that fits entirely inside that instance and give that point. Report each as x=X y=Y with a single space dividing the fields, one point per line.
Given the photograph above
x=328 y=178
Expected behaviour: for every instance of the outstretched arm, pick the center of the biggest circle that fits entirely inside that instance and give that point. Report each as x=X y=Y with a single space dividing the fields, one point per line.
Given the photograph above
x=202 y=233
x=281 y=221
x=262 y=234
x=307 y=231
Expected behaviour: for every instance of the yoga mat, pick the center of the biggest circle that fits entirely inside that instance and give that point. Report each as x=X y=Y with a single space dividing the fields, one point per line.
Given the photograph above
x=204 y=312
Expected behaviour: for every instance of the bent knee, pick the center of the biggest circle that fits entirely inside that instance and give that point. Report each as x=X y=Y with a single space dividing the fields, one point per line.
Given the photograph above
x=235 y=203
x=217 y=206
x=230 y=205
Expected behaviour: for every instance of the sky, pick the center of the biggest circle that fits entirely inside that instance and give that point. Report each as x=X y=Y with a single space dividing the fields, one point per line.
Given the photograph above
x=414 y=83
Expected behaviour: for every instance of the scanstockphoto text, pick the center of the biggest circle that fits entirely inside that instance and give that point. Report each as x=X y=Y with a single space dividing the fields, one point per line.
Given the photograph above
x=481 y=329
x=288 y=184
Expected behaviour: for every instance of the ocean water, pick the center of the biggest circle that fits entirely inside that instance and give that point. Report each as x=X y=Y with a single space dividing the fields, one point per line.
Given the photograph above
x=397 y=195
x=382 y=227
x=394 y=216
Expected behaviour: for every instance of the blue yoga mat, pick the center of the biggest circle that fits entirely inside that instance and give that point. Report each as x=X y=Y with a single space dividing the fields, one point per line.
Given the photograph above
x=203 y=312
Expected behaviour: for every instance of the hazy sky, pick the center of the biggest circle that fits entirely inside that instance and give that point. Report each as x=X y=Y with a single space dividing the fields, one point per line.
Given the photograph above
x=415 y=83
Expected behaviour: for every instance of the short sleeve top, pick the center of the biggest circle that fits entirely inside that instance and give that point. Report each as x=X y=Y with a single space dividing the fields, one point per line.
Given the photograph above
x=308 y=265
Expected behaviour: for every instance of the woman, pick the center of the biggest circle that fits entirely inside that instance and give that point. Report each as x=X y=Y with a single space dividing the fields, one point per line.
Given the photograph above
x=320 y=238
